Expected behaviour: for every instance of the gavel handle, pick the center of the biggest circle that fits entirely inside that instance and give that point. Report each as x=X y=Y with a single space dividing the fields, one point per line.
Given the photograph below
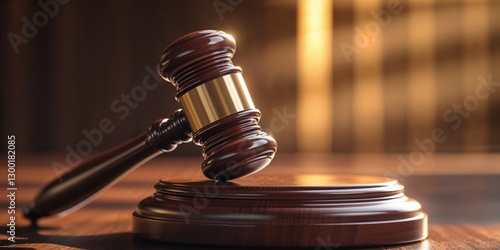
x=77 y=187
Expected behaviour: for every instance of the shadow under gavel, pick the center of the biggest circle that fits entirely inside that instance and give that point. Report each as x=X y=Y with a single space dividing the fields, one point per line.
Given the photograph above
x=218 y=114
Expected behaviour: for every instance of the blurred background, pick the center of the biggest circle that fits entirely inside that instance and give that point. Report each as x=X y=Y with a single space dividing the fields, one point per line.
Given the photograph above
x=329 y=76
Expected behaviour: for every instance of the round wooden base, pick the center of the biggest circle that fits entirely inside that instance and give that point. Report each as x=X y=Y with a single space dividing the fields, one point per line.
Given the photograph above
x=284 y=211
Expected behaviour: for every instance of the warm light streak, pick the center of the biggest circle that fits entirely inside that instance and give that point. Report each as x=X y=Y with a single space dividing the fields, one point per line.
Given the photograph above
x=315 y=104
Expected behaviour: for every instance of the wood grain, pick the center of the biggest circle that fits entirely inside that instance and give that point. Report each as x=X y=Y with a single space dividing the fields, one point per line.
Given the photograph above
x=282 y=211
x=459 y=193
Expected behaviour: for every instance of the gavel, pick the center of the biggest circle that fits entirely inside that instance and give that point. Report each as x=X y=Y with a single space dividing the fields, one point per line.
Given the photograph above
x=217 y=114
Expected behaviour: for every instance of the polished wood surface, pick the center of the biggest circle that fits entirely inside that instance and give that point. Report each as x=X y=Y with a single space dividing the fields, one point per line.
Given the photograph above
x=281 y=211
x=232 y=141
x=458 y=191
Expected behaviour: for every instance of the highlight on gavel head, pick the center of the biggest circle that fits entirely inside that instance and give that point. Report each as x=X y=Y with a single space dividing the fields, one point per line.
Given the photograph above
x=217 y=104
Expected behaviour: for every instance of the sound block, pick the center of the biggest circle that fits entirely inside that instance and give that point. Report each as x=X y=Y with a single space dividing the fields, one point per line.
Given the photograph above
x=282 y=211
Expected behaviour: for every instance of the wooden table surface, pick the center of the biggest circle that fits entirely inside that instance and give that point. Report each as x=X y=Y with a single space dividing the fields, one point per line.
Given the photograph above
x=460 y=193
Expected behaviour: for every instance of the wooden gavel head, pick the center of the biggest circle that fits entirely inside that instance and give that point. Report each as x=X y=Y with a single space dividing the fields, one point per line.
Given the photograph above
x=217 y=105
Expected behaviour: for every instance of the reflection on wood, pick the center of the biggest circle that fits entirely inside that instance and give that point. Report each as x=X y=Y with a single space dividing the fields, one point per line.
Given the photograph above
x=460 y=216
x=282 y=211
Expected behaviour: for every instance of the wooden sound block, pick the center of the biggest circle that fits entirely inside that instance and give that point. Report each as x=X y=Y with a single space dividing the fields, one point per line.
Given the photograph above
x=282 y=211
